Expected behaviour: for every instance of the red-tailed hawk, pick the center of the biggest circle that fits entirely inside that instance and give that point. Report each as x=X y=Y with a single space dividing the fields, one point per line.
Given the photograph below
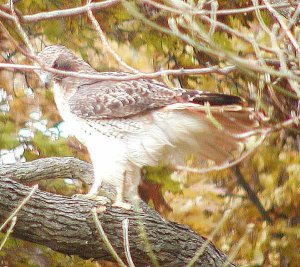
x=130 y=124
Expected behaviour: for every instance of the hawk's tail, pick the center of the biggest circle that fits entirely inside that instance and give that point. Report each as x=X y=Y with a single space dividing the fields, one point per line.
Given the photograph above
x=214 y=99
x=205 y=135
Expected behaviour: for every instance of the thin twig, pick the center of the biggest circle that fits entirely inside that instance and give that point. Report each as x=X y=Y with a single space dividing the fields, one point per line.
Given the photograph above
x=292 y=21
x=6 y=15
x=294 y=120
x=128 y=77
x=276 y=48
x=15 y=43
x=105 y=239
x=224 y=165
x=219 y=25
x=238 y=246
x=20 y=29
x=264 y=132
x=213 y=50
x=201 y=250
x=9 y=231
x=24 y=201
x=149 y=250
x=213 y=16
x=125 y=224
x=251 y=194
x=23 y=67
x=105 y=41
x=61 y=13
x=283 y=25
x=56 y=14
x=191 y=10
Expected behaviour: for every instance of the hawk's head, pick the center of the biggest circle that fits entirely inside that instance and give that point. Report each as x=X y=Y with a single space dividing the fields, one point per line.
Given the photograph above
x=61 y=58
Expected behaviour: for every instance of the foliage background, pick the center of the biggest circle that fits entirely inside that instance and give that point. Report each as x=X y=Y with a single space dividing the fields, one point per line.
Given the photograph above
x=30 y=126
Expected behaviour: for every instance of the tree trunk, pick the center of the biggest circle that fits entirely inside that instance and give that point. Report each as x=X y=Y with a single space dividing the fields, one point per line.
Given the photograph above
x=66 y=225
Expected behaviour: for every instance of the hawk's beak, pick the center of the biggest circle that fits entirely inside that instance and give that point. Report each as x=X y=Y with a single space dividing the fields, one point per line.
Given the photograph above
x=45 y=78
x=47 y=84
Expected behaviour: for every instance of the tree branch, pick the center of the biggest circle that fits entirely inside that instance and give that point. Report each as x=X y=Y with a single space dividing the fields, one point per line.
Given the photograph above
x=66 y=225
x=128 y=77
x=251 y=194
x=5 y=12
x=49 y=168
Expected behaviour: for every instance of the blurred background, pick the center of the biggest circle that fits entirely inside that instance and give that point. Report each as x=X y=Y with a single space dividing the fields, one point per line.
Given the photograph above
x=258 y=39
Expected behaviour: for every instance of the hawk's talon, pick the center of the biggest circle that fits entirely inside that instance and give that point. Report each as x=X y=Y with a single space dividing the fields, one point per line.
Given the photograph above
x=123 y=205
x=97 y=198
x=100 y=209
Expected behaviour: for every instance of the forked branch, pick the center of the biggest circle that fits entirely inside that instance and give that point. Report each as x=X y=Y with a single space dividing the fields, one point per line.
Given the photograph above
x=66 y=225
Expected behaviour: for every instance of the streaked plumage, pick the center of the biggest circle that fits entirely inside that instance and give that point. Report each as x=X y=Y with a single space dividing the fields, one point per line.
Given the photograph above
x=130 y=124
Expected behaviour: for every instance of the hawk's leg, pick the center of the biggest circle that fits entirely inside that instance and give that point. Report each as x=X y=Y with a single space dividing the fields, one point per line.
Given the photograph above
x=93 y=192
x=119 y=202
x=128 y=189
x=95 y=187
x=93 y=195
x=104 y=200
x=101 y=201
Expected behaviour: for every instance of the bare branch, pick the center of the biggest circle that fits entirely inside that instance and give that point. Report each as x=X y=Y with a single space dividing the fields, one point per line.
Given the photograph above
x=284 y=26
x=9 y=231
x=251 y=194
x=108 y=3
x=263 y=133
x=214 y=50
x=201 y=250
x=105 y=41
x=125 y=225
x=226 y=164
x=292 y=21
x=273 y=36
x=20 y=206
x=238 y=246
x=141 y=75
x=61 y=13
x=105 y=239
x=20 y=29
x=192 y=11
x=16 y=44
x=6 y=15
x=217 y=24
x=168 y=239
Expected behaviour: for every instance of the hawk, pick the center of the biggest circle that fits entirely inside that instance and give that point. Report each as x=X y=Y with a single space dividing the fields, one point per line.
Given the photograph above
x=129 y=124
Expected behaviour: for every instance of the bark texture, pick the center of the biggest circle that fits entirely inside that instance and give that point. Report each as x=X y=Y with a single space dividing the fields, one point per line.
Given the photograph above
x=65 y=224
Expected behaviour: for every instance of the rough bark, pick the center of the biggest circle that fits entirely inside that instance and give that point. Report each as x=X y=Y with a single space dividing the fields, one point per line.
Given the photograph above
x=49 y=168
x=65 y=224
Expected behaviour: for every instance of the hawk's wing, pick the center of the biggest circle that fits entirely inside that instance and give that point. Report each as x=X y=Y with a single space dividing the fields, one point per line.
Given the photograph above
x=216 y=128
x=109 y=99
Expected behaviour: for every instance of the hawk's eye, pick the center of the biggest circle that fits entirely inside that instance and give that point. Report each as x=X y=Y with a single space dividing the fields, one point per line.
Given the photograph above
x=62 y=65
x=55 y=65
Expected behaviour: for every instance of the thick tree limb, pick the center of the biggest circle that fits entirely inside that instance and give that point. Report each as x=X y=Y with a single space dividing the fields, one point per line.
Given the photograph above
x=65 y=224
x=49 y=168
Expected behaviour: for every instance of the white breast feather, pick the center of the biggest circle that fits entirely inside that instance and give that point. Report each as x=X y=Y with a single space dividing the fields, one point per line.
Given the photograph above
x=108 y=154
